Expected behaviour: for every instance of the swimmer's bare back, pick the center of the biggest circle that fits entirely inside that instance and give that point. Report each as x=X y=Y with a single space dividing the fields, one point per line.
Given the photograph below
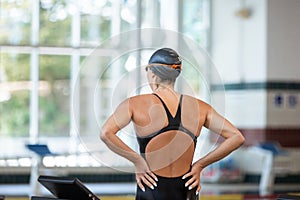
x=170 y=152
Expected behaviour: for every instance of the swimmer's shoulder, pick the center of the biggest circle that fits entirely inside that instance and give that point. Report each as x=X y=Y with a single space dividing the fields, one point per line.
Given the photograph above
x=140 y=100
x=193 y=100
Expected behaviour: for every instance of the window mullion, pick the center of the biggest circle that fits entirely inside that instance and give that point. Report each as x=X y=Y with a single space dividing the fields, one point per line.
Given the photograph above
x=74 y=80
x=34 y=73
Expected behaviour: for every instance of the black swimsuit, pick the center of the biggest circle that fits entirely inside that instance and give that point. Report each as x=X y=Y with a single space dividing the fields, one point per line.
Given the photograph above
x=167 y=188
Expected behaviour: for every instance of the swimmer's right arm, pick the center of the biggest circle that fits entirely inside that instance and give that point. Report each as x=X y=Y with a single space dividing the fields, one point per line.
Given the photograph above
x=119 y=119
x=233 y=140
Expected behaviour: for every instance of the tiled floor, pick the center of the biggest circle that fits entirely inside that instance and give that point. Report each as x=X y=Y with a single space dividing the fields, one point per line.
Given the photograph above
x=22 y=190
x=203 y=197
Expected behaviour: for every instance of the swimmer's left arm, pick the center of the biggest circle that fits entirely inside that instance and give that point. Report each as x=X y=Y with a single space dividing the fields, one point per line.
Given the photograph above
x=119 y=119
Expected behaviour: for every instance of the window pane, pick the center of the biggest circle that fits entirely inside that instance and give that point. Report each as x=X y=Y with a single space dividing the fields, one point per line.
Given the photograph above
x=150 y=14
x=95 y=28
x=128 y=15
x=54 y=98
x=55 y=23
x=14 y=94
x=196 y=20
x=93 y=101
x=15 y=22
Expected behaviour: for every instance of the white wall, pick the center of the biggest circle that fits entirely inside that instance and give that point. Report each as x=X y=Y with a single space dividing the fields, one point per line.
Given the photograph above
x=265 y=47
x=239 y=45
x=239 y=52
x=283 y=57
x=283 y=40
x=245 y=109
x=285 y=114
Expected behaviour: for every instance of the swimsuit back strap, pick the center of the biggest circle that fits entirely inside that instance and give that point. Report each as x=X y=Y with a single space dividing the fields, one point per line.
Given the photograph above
x=169 y=115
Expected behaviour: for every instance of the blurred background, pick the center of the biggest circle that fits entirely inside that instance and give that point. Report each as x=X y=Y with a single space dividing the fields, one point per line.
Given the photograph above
x=252 y=46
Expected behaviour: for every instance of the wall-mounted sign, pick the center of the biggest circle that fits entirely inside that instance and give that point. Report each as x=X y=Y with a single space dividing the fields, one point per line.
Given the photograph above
x=292 y=100
x=278 y=100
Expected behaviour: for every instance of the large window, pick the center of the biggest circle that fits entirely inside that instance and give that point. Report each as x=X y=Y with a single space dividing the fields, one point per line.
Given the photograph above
x=15 y=22
x=54 y=103
x=14 y=94
x=55 y=23
x=196 y=21
x=45 y=43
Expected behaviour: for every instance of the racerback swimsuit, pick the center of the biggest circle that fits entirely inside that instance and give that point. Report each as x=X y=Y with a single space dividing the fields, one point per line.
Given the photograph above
x=168 y=188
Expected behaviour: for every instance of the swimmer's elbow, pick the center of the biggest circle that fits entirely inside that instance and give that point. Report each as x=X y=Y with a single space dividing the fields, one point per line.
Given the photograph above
x=240 y=139
x=104 y=135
